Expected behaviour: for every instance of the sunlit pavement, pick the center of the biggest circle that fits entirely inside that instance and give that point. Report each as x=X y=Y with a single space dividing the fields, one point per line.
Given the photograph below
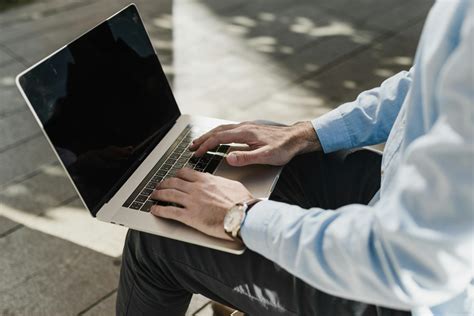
x=238 y=60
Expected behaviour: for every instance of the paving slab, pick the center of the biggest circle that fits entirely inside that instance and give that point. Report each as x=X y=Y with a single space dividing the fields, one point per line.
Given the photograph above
x=16 y=128
x=389 y=20
x=44 y=275
x=263 y=27
x=341 y=83
x=22 y=160
x=248 y=72
x=10 y=98
x=6 y=225
x=48 y=20
x=5 y=57
x=71 y=221
x=360 y=11
x=40 y=45
x=33 y=40
x=223 y=7
x=48 y=188
x=369 y=68
x=105 y=307
x=21 y=13
x=294 y=27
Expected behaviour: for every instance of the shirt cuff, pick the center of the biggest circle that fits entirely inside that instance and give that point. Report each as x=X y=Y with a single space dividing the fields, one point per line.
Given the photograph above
x=332 y=131
x=255 y=226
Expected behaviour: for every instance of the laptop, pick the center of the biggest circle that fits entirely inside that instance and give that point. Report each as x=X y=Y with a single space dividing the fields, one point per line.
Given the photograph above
x=108 y=112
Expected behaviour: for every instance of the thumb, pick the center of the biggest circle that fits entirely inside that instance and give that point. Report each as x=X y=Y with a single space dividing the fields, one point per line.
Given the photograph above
x=243 y=158
x=170 y=212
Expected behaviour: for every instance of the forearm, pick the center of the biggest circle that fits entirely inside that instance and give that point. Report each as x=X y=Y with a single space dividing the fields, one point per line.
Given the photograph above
x=305 y=138
x=367 y=120
x=367 y=263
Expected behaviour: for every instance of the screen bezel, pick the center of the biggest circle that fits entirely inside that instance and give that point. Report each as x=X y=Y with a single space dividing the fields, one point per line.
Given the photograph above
x=149 y=148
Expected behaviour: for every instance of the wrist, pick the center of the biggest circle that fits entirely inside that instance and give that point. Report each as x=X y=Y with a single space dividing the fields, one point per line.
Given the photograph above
x=305 y=138
x=235 y=217
x=250 y=206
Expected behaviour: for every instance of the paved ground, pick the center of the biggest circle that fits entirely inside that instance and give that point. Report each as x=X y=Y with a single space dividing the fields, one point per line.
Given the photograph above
x=234 y=59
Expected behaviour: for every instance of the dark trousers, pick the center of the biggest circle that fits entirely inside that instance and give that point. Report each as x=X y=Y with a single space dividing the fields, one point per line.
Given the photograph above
x=159 y=275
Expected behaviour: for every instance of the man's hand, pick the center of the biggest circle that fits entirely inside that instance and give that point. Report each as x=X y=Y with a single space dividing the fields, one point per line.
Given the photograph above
x=272 y=145
x=205 y=200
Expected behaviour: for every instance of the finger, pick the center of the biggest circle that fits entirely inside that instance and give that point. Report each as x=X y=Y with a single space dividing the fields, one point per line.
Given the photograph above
x=244 y=158
x=174 y=183
x=198 y=141
x=225 y=137
x=171 y=212
x=189 y=175
x=170 y=195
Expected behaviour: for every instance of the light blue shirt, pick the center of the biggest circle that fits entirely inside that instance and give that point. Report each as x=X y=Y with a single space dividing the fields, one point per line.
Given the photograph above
x=412 y=248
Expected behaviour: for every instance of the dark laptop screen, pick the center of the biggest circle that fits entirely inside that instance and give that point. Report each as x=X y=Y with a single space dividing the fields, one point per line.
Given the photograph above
x=104 y=103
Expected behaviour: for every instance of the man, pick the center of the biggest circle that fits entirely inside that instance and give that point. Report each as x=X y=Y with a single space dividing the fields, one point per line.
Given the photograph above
x=319 y=249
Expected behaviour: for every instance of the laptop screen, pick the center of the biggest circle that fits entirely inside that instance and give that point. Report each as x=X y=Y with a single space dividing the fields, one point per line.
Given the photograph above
x=104 y=103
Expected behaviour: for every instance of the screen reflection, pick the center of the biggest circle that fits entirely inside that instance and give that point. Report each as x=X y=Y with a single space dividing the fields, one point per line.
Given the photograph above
x=104 y=102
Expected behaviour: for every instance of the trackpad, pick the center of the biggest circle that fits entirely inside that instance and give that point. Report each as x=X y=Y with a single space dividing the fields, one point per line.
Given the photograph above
x=258 y=179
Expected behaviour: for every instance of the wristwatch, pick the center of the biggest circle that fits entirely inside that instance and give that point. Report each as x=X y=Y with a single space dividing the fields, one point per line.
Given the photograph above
x=235 y=217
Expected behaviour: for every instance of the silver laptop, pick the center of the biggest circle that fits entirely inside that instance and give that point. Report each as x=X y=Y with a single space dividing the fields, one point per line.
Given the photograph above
x=107 y=110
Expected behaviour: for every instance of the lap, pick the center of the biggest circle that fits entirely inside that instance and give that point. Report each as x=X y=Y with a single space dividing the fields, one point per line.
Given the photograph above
x=158 y=274
x=331 y=180
x=248 y=282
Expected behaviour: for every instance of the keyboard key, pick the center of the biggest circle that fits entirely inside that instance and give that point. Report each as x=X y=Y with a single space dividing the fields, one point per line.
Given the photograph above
x=223 y=149
x=147 y=192
x=157 y=178
x=136 y=205
x=207 y=157
x=174 y=156
x=166 y=167
x=161 y=173
x=170 y=161
x=178 y=165
x=141 y=198
x=212 y=166
x=182 y=160
x=147 y=206
x=161 y=203
x=151 y=185
x=175 y=168
x=201 y=164
x=179 y=151
x=190 y=165
x=194 y=159
x=187 y=154
x=183 y=145
x=183 y=134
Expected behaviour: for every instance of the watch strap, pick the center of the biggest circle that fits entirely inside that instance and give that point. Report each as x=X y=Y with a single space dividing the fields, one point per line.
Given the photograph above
x=249 y=204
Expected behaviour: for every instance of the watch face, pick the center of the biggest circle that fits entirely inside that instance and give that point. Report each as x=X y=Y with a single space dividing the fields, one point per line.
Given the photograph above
x=233 y=218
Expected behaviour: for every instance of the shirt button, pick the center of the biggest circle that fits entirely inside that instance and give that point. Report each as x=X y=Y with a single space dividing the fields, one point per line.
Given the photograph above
x=382 y=172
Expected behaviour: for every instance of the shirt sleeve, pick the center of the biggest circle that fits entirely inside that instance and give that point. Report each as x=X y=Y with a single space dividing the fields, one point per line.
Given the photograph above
x=367 y=120
x=412 y=248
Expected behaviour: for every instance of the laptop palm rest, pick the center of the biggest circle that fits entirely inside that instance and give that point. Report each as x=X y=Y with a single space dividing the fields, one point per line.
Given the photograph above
x=258 y=179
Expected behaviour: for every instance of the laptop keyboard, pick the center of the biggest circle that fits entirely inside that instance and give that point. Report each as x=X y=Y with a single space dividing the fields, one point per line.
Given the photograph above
x=175 y=158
